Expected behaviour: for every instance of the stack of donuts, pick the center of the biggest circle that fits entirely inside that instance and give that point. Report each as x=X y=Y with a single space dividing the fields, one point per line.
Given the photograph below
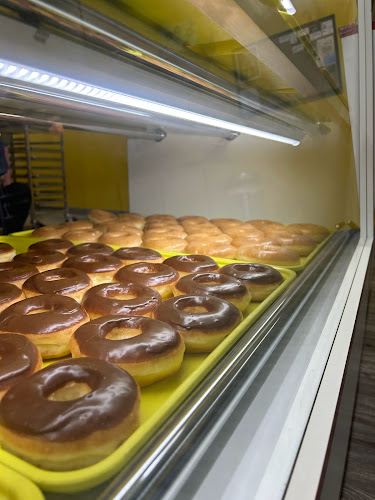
x=125 y=316
x=263 y=241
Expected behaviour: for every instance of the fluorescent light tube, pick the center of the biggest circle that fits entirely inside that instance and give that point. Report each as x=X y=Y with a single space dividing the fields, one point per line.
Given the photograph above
x=11 y=70
x=289 y=7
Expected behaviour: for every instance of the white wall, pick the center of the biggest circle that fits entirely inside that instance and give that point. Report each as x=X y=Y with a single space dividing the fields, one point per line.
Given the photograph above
x=247 y=178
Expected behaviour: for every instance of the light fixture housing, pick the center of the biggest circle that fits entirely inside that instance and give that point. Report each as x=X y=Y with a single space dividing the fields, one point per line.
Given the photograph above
x=64 y=86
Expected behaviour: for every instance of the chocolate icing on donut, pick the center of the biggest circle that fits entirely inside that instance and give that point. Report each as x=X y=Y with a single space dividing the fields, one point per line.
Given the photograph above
x=156 y=338
x=40 y=258
x=16 y=271
x=113 y=395
x=9 y=293
x=95 y=263
x=103 y=299
x=18 y=358
x=58 y=312
x=137 y=253
x=61 y=281
x=5 y=248
x=253 y=273
x=147 y=274
x=220 y=285
x=90 y=249
x=52 y=245
x=192 y=263
x=220 y=313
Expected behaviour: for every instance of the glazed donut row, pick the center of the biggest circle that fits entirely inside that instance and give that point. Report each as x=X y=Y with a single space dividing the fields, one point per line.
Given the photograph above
x=120 y=332
x=262 y=241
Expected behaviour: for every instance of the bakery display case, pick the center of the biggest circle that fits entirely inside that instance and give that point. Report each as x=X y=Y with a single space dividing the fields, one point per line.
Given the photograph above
x=237 y=109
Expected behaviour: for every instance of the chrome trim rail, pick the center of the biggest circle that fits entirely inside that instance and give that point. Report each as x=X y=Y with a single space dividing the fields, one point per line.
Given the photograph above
x=186 y=435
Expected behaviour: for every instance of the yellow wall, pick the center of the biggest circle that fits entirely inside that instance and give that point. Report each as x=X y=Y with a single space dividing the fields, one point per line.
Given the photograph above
x=96 y=170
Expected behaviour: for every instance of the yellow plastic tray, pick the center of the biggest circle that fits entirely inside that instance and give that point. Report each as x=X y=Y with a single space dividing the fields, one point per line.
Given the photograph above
x=13 y=486
x=158 y=401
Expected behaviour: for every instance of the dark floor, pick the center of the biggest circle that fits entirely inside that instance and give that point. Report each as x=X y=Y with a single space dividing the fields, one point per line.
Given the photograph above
x=359 y=481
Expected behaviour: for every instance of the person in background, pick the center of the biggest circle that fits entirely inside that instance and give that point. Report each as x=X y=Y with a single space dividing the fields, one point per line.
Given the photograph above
x=15 y=197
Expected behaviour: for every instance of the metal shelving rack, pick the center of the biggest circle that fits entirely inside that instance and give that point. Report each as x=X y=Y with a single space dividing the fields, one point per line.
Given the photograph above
x=41 y=164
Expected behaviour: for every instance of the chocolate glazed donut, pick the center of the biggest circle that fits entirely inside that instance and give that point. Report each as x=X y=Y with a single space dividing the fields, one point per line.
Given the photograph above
x=260 y=279
x=90 y=249
x=53 y=244
x=19 y=358
x=42 y=260
x=149 y=356
x=9 y=294
x=158 y=276
x=113 y=298
x=220 y=285
x=16 y=272
x=132 y=255
x=101 y=268
x=78 y=411
x=63 y=281
x=203 y=321
x=188 y=264
x=47 y=320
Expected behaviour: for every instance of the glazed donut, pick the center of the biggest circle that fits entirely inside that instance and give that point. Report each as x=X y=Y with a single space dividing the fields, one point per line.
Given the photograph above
x=188 y=264
x=165 y=231
x=7 y=252
x=207 y=238
x=273 y=255
x=260 y=280
x=77 y=225
x=202 y=228
x=48 y=232
x=243 y=230
x=252 y=239
x=52 y=245
x=155 y=224
x=78 y=412
x=133 y=255
x=226 y=222
x=261 y=224
x=317 y=233
x=85 y=235
x=146 y=348
x=121 y=239
x=96 y=216
x=100 y=268
x=202 y=320
x=165 y=244
x=220 y=250
x=160 y=218
x=19 y=358
x=47 y=320
x=42 y=260
x=16 y=273
x=90 y=249
x=303 y=245
x=134 y=219
x=118 y=227
x=194 y=219
x=120 y=298
x=9 y=294
x=160 y=277
x=63 y=281
x=219 y=285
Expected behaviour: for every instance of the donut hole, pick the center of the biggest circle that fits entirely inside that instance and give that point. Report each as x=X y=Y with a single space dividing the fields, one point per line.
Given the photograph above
x=123 y=296
x=54 y=278
x=195 y=309
x=69 y=391
x=38 y=311
x=123 y=333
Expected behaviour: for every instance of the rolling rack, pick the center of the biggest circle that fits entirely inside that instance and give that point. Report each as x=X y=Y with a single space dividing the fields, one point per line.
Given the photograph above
x=38 y=159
